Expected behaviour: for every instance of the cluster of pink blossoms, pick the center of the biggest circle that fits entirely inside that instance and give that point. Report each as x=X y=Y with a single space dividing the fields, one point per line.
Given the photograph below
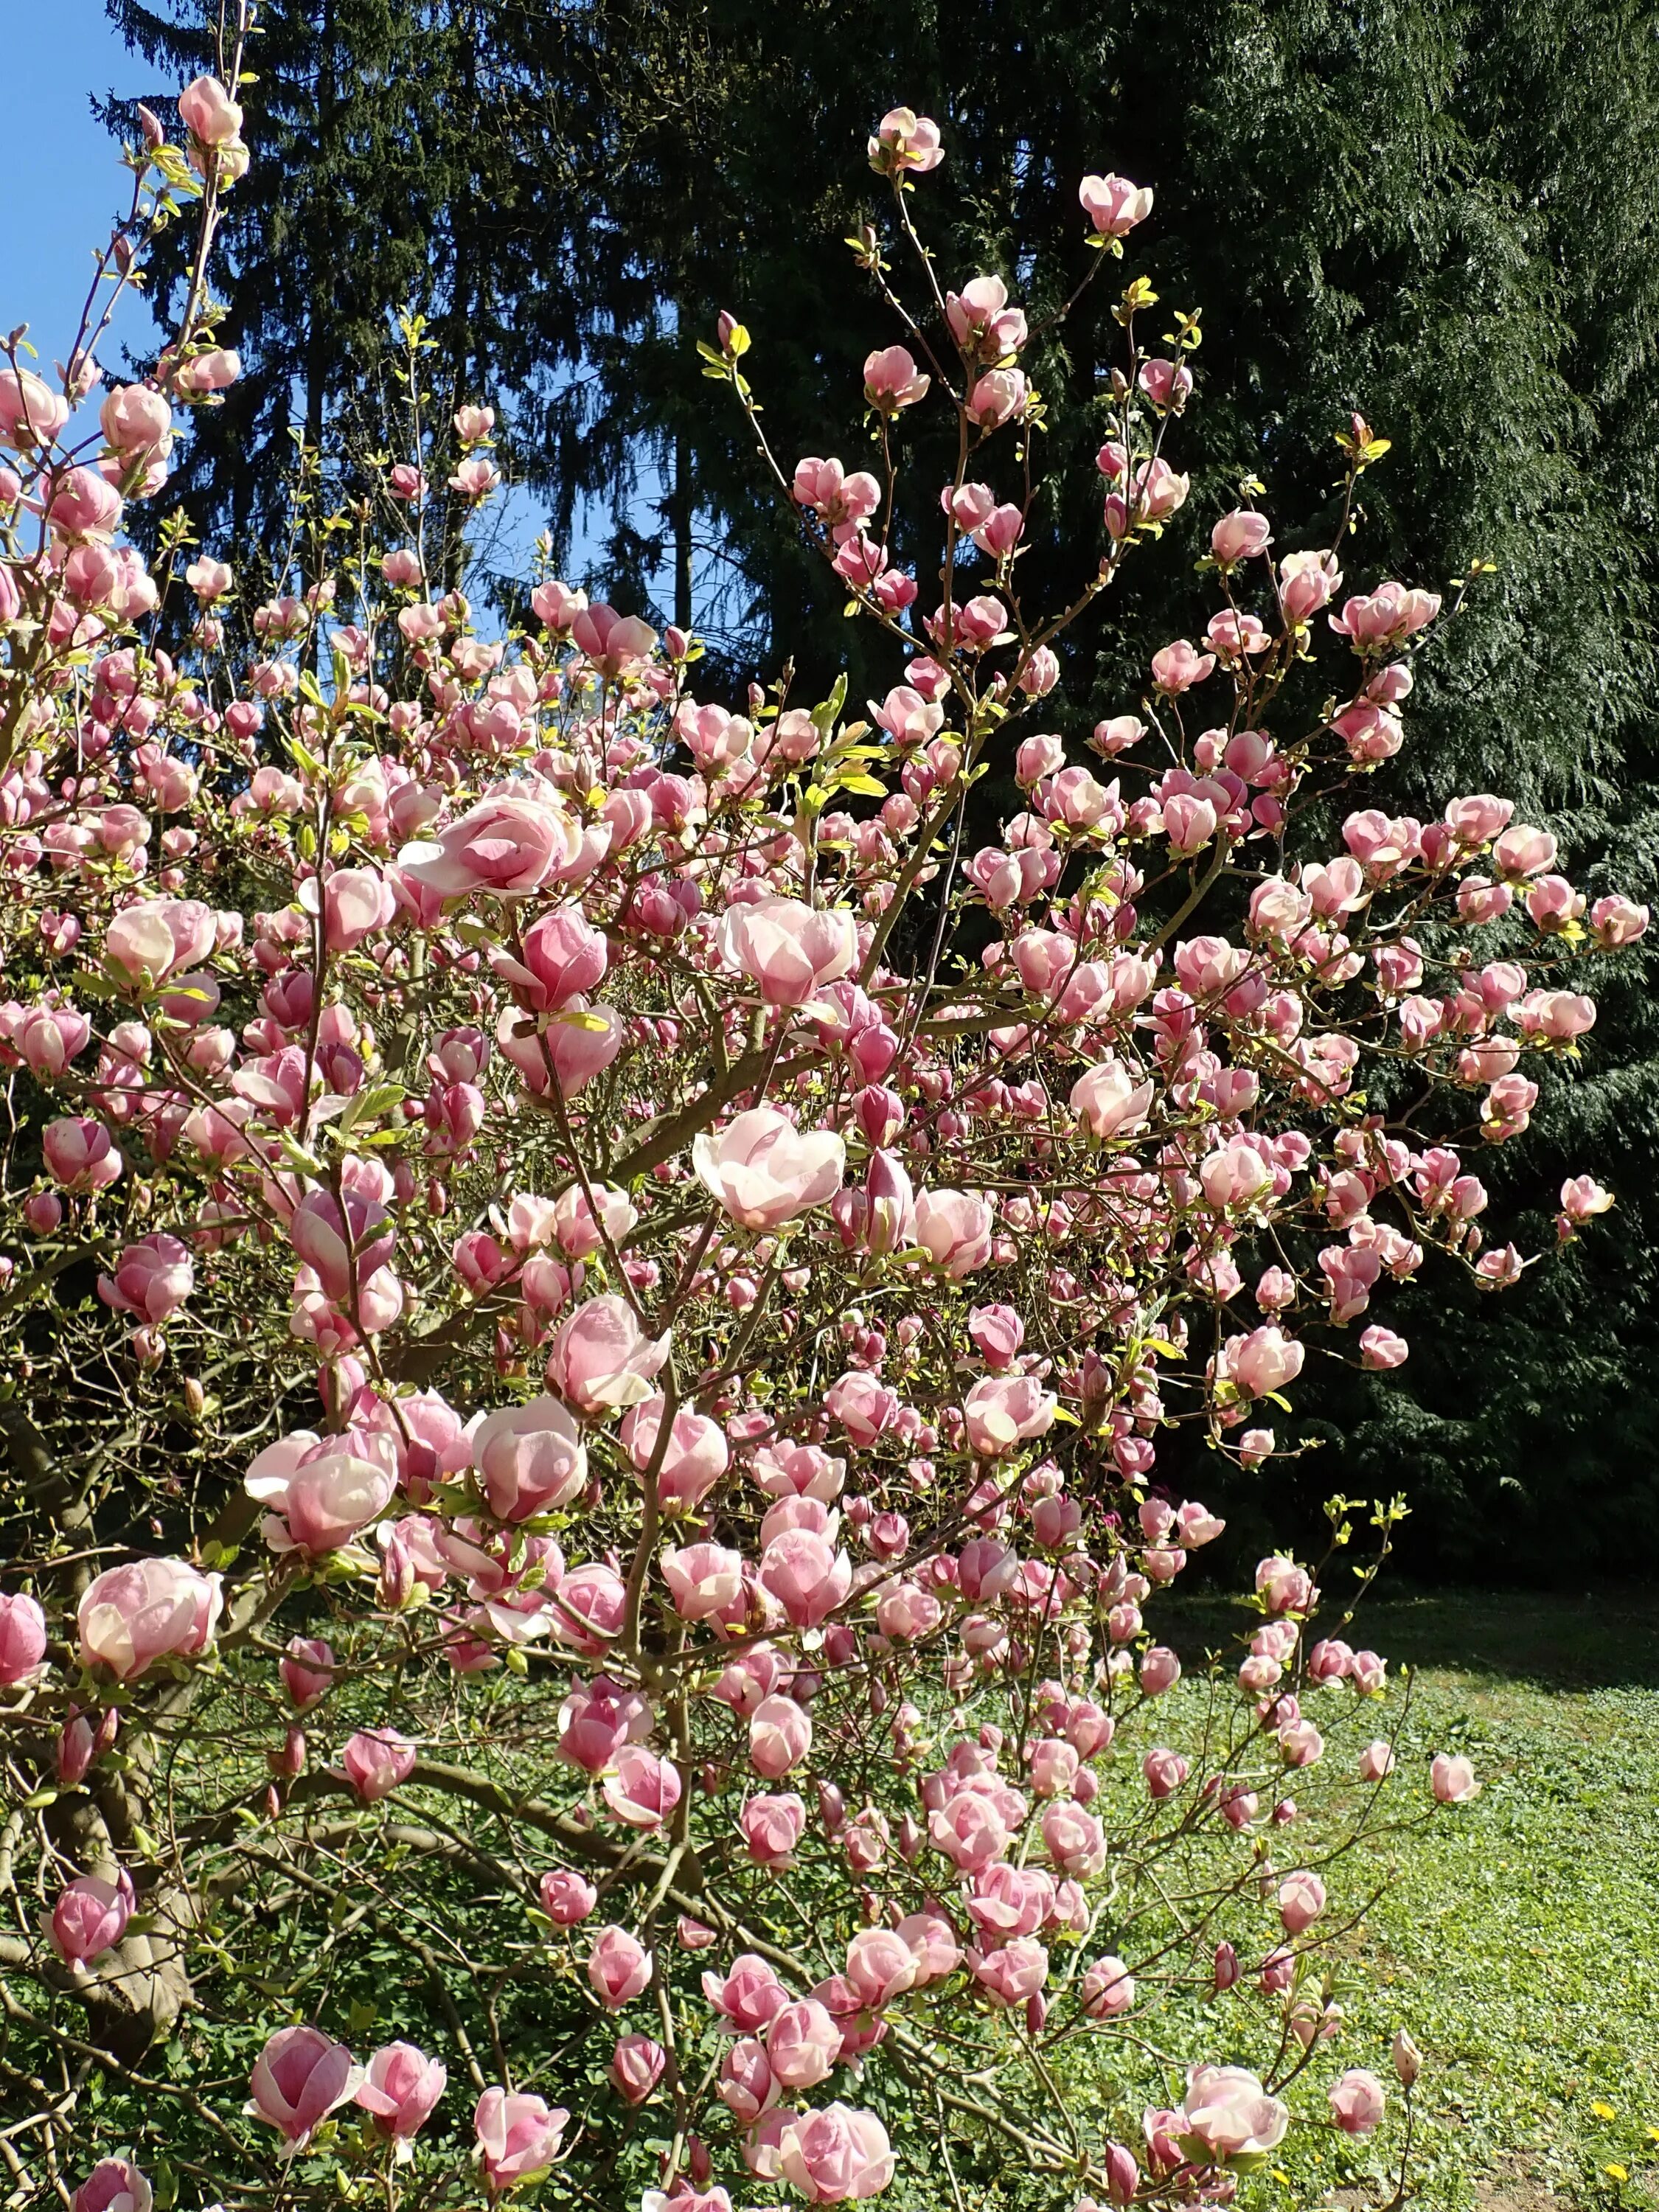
x=704 y=1258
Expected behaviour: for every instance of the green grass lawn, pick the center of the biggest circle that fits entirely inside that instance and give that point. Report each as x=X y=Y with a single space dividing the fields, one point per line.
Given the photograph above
x=1520 y=1944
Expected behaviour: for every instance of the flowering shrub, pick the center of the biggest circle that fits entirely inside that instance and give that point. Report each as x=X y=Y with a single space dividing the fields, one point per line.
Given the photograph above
x=612 y=1302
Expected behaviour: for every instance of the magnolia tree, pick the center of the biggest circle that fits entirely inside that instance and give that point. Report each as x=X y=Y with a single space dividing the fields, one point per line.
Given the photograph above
x=609 y=1303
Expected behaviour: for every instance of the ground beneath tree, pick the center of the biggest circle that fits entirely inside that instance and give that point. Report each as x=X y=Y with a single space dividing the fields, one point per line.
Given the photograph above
x=1517 y=1940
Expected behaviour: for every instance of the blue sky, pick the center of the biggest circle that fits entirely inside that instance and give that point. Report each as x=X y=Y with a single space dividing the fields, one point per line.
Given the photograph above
x=61 y=181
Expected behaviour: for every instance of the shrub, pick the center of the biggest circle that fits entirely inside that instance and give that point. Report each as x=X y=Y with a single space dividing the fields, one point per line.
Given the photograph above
x=596 y=1300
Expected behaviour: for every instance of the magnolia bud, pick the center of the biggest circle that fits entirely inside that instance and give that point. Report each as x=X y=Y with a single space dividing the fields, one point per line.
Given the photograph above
x=1226 y=1967
x=1122 y=2174
x=1036 y=2012
x=290 y=1759
x=75 y=1747
x=1407 y=2060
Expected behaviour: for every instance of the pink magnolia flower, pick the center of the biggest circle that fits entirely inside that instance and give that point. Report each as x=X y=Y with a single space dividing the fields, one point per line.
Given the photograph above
x=530 y=1459
x=1013 y=1972
x=1107 y=1989
x=789 y=949
x=836 y=497
x=130 y=1616
x=803 y=2046
x=1114 y=205
x=114 y=2184
x=152 y=1280
x=882 y=1964
x=954 y=1229
x=644 y=1790
x=1301 y=1899
x=618 y=1968
x=601 y=1359
x=1160 y=1671
x=377 y=1761
x=1307 y=581
x=1109 y=1101
x=780 y=1736
x=998 y=1333
x=1452 y=1779
x=763 y=1171
x=905 y=142
x=1164 y=1772
x=209 y=113
x=508 y=846
x=1357 y=2102
x=970 y=1830
x=588 y=1609
x=308 y=1670
x=999 y=397
x=1228 y=2113
x=563 y=956
x=400 y=2089
x=704 y=1580
x=637 y=2064
x=155 y=940
x=355 y=903
x=746 y=2087
x=516 y=2135
x=319 y=1498
x=22 y=1639
x=90 y=1917
x=771 y=1828
x=806 y=1574
x=50 y=1037
x=892 y=380
x=693 y=1459
x=1385 y=616
x=750 y=1997
x=1618 y=920
x=981 y=322
x=567 y=1898
x=1178 y=667
x=836 y=2156
x=210 y=372
x=298 y=2080
x=1266 y=1360
x=1240 y=536
x=79 y=1154
x=596 y=1721
x=865 y=1409
x=1285 y=1586
x=1003 y=1412
x=83 y=506
x=615 y=644
x=581 y=1229
x=31 y=413
x=1074 y=1838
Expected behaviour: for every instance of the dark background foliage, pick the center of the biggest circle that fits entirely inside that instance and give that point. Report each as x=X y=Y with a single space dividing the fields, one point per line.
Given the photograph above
x=1443 y=216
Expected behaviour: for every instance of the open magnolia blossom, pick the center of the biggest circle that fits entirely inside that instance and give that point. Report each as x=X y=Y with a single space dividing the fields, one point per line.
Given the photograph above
x=628 y=1536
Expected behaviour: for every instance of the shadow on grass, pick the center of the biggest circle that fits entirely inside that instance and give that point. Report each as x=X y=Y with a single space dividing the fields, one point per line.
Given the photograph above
x=1604 y=1640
